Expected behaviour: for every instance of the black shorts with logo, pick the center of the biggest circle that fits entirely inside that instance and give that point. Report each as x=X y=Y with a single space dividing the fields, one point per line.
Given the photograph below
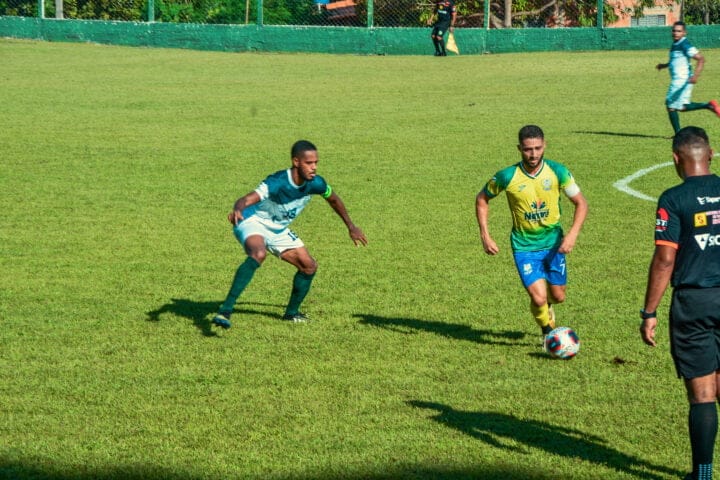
x=695 y=331
x=440 y=28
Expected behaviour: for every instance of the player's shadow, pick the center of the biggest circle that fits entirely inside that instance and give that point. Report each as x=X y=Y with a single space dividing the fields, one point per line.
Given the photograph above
x=200 y=313
x=507 y=432
x=620 y=134
x=449 y=330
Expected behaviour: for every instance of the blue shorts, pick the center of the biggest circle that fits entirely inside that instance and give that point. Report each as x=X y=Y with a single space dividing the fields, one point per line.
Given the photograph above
x=541 y=265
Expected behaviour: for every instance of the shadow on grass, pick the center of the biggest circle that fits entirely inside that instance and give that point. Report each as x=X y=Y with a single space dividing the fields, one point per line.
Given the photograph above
x=44 y=470
x=449 y=330
x=510 y=433
x=622 y=134
x=201 y=312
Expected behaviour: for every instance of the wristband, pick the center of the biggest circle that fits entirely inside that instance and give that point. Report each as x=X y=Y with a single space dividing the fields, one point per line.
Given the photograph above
x=645 y=315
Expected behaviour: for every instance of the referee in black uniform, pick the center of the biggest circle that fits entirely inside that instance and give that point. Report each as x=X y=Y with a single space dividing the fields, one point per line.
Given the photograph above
x=687 y=255
x=444 y=16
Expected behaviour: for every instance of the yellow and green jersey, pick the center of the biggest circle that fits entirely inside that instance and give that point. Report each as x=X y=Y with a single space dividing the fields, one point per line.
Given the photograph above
x=534 y=202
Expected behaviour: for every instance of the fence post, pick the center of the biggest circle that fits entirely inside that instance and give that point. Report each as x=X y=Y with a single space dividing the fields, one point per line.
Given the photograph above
x=151 y=11
x=41 y=8
x=600 y=5
x=371 y=12
x=486 y=15
x=260 y=13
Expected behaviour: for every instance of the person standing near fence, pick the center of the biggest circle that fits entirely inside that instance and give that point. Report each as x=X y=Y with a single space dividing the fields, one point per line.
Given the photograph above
x=687 y=255
x=683 y=78
x=443 y=16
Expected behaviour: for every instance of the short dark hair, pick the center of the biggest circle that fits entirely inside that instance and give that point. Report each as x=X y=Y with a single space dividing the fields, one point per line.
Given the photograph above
x=690 y=136
x=300 y=147
x=530 y=131
x=679 y=24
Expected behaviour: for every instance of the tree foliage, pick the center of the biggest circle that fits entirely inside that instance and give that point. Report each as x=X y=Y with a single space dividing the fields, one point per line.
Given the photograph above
x=386 y=13
x=701 y=12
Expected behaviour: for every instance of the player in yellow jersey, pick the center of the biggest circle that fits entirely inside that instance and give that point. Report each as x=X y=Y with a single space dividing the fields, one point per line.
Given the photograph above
x=533 y=187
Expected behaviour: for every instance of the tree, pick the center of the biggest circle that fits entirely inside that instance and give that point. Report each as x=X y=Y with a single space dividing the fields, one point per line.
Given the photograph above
x=700 y=12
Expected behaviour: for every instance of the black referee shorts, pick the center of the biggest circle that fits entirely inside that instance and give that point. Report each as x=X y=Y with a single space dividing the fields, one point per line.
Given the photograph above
x=440 y=29
x=695 y=331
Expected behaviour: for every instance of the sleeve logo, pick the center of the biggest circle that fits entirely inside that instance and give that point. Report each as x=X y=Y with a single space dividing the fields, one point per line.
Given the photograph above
x=661 y=220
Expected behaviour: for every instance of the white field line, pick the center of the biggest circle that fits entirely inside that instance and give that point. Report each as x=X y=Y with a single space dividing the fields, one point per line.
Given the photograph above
x=624 y=183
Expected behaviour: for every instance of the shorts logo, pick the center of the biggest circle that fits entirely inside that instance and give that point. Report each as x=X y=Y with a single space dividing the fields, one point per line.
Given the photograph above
x=707 y=240
x=527 y=269
x=661 y=220
x=701 y=219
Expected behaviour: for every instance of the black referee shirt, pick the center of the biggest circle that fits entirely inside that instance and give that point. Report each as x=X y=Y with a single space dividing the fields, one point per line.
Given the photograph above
x=688 y=218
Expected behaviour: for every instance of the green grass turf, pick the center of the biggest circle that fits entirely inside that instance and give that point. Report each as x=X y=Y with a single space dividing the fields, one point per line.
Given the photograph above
x=118 y=167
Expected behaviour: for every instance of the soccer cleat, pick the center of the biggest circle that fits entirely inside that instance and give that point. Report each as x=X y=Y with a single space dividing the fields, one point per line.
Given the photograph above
x=715 y=107
x=296 y=317
x=551 y=312
x=221 y=321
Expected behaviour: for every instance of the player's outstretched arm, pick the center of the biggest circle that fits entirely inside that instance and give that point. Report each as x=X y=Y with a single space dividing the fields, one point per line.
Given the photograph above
x=482 y=210
x=581 y=211
x=356 y=235
x=241 y=204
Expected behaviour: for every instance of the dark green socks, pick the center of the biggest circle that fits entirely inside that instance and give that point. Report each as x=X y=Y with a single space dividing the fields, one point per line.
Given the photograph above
x=243 y=275
x=674 y=120
x=301 y=287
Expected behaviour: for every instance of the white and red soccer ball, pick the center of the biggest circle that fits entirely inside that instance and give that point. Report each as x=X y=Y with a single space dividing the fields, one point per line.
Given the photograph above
x=562 y=343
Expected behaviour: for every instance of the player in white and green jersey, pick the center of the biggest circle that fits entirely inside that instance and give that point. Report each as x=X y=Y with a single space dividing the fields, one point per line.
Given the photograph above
x=683 y=77
x=260 y=222
x=533 y=188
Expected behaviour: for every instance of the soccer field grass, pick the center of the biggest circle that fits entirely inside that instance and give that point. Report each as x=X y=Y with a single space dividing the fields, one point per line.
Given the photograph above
x=119 y=166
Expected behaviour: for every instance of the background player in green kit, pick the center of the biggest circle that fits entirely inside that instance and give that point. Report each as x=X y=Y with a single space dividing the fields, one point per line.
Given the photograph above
x=533 y=189
x=260 y=222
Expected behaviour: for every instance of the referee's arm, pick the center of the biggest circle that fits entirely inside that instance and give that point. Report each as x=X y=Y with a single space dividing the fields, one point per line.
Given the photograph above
x=661 y=268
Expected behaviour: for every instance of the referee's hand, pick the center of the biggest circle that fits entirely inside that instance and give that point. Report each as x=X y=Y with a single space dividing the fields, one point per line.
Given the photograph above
x=647 y=331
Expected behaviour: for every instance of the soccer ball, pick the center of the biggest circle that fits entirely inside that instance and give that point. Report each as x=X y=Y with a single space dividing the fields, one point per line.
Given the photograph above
x=562 y=342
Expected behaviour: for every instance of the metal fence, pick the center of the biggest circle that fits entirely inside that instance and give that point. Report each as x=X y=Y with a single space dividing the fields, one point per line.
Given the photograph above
x=372 y=13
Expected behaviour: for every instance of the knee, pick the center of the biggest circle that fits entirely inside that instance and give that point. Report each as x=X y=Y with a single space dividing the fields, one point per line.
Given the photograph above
x=538 y=299
x=258 y=255
x=558 y=297
x=310 y=268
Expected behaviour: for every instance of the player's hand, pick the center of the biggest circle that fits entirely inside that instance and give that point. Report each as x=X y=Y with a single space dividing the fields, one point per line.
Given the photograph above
x=490 y=246
x=235 y=217
x=647 y=331
x=452 y=29
x=357 y=236
x=660 y=66
x=567 y=244
x=693 y=80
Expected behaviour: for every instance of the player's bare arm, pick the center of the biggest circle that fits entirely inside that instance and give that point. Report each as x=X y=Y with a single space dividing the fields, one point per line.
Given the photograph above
x=661 y=268
x=482 y=209
x=241 y=204
x=356 y=235
x=581 y=210
x=661 y=66
x=698 y=68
